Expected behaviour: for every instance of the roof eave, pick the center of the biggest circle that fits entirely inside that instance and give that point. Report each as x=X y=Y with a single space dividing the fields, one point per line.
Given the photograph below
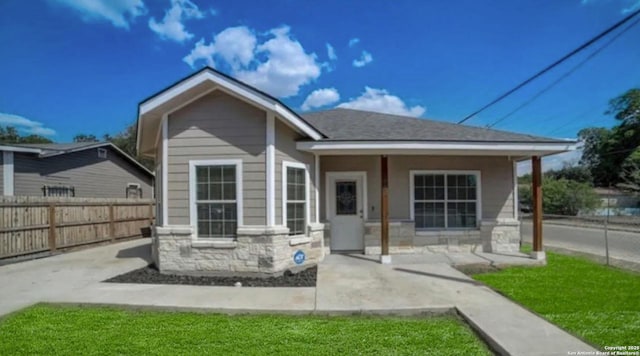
x=230 y=84
x=462 y=148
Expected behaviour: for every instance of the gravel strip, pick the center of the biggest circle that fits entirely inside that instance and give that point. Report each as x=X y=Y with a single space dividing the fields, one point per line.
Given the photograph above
x=150 y=275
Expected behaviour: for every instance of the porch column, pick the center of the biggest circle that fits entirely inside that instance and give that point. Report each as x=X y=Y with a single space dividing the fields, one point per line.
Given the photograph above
x=536 y=192
x=385 y=258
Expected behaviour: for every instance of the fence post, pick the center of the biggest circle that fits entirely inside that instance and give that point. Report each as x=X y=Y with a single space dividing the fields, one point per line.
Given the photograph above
x=150 y=214
x=606 y=226
x=52 y=227
x=112 y=227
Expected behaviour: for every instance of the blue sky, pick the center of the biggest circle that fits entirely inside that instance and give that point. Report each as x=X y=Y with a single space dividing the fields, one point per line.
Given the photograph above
x=82 y=66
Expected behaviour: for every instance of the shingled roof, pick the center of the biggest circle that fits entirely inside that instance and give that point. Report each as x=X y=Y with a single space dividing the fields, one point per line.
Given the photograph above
x=357 y=125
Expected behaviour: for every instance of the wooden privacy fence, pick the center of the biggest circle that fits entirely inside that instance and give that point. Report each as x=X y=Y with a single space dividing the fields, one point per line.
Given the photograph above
x=31 y=225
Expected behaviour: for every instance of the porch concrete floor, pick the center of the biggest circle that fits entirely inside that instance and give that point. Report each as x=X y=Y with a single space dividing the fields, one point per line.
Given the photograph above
x=346 y=284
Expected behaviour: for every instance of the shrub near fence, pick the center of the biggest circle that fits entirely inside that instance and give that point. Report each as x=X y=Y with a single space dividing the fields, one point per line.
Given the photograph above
x=30 y=225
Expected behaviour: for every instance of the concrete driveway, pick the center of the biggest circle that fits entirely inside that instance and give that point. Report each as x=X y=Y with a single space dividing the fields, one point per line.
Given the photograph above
x=53 y=278
x=346 y=284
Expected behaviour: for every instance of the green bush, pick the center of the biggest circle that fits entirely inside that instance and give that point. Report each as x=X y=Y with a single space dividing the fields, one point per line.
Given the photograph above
x=562 y=196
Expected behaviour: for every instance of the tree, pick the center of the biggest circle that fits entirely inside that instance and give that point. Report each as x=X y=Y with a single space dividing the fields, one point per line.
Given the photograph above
x=10 y=134
x=85 y=138
x=126 y=141
x=563 y=196
x=605 y=151
x=577 y=173
x=630 y=174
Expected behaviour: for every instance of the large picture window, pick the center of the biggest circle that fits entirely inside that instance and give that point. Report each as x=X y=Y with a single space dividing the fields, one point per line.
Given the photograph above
x=295 y=197
x=215 y=195
x=445 y=200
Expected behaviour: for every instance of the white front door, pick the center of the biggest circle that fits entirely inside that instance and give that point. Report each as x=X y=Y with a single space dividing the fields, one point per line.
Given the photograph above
x=345 y=207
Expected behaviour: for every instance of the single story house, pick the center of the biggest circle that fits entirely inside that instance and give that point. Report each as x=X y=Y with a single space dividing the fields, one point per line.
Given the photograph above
x=247 y=185
x=82 y=170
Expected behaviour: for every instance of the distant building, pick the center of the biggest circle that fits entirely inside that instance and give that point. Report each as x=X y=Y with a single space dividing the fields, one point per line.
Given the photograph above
x=88 y=170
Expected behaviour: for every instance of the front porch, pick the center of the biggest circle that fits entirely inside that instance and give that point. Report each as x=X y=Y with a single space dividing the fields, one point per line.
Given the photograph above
x=416 y=204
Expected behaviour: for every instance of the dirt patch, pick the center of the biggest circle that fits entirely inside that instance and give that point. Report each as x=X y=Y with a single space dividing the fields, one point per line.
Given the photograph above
x=476 y=268
x=150 y=275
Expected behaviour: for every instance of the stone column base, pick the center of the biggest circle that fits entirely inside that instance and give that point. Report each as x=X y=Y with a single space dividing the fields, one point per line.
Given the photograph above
x=502 y=235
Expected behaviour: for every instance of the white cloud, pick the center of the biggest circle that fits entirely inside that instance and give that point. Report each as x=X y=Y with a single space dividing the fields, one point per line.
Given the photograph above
x=365 y=58
x=279 y=66
x=628 y=6
x=119 y=12
x=320 y=97
x=331 y=52
x=554 y=162
x=201 y=51
x=380 y=100
x=172 y=27
x=234 y=45
x=25 y=125
x=354 y=41
x=632 y=7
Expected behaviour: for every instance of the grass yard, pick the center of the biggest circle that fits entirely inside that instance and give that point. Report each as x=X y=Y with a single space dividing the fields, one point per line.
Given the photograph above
x=47 y=329
x=599 y=303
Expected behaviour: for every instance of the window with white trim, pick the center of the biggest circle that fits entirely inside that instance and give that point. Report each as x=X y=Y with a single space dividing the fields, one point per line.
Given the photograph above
x=445 y=200
x=102 y=153
x=295 y=198
x=216 y=200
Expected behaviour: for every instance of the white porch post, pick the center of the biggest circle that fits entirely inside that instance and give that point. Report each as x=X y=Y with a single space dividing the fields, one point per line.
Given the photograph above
x=271 y=170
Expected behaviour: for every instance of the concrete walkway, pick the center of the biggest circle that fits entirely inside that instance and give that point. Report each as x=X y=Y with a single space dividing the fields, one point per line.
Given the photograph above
x=346 y=284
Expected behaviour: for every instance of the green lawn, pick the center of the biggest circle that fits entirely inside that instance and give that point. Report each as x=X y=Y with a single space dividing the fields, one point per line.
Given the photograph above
x=46 y=329
x=599 y=303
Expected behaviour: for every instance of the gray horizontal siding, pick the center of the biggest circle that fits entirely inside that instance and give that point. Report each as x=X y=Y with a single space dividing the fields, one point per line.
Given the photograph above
x=217 y=126
x=496 y=174
x=286 y=151
x=1 y=173
x=368 y=164
x=91 y=176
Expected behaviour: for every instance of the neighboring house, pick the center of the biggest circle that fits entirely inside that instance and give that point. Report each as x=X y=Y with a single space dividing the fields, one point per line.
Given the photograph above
x=87 y=170
x=247 y=185
x=616 y=202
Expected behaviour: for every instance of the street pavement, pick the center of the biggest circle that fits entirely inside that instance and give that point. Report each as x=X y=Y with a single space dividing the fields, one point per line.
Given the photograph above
x=623 y=245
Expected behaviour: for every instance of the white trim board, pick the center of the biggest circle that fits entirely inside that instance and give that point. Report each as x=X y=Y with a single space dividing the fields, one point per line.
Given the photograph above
x=285 y=165
x=165 y=171
x=193 y=213
x=7 y=173
x=209 y=75
x=476 y=173
x=270 y=174
x=441 y=148
x=316 y=171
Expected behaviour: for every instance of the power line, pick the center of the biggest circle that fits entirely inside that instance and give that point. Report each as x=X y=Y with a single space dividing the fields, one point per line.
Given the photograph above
x=551 y=66
x=564 y=76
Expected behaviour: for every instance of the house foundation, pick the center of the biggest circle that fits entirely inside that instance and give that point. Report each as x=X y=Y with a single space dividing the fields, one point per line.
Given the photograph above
x=492 y=236
x=256 y=251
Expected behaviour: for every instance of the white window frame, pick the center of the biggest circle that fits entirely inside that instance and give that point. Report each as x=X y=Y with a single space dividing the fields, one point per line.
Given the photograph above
x=102 y=152
x=133 y=185
x=285 y=165
x=476 y=173
x=193 y=210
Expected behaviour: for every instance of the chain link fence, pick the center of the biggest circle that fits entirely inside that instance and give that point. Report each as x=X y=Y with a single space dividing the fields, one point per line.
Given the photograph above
x=608 y=236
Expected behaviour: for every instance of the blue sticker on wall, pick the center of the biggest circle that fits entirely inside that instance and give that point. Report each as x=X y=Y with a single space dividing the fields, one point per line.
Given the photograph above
x=299 y=257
